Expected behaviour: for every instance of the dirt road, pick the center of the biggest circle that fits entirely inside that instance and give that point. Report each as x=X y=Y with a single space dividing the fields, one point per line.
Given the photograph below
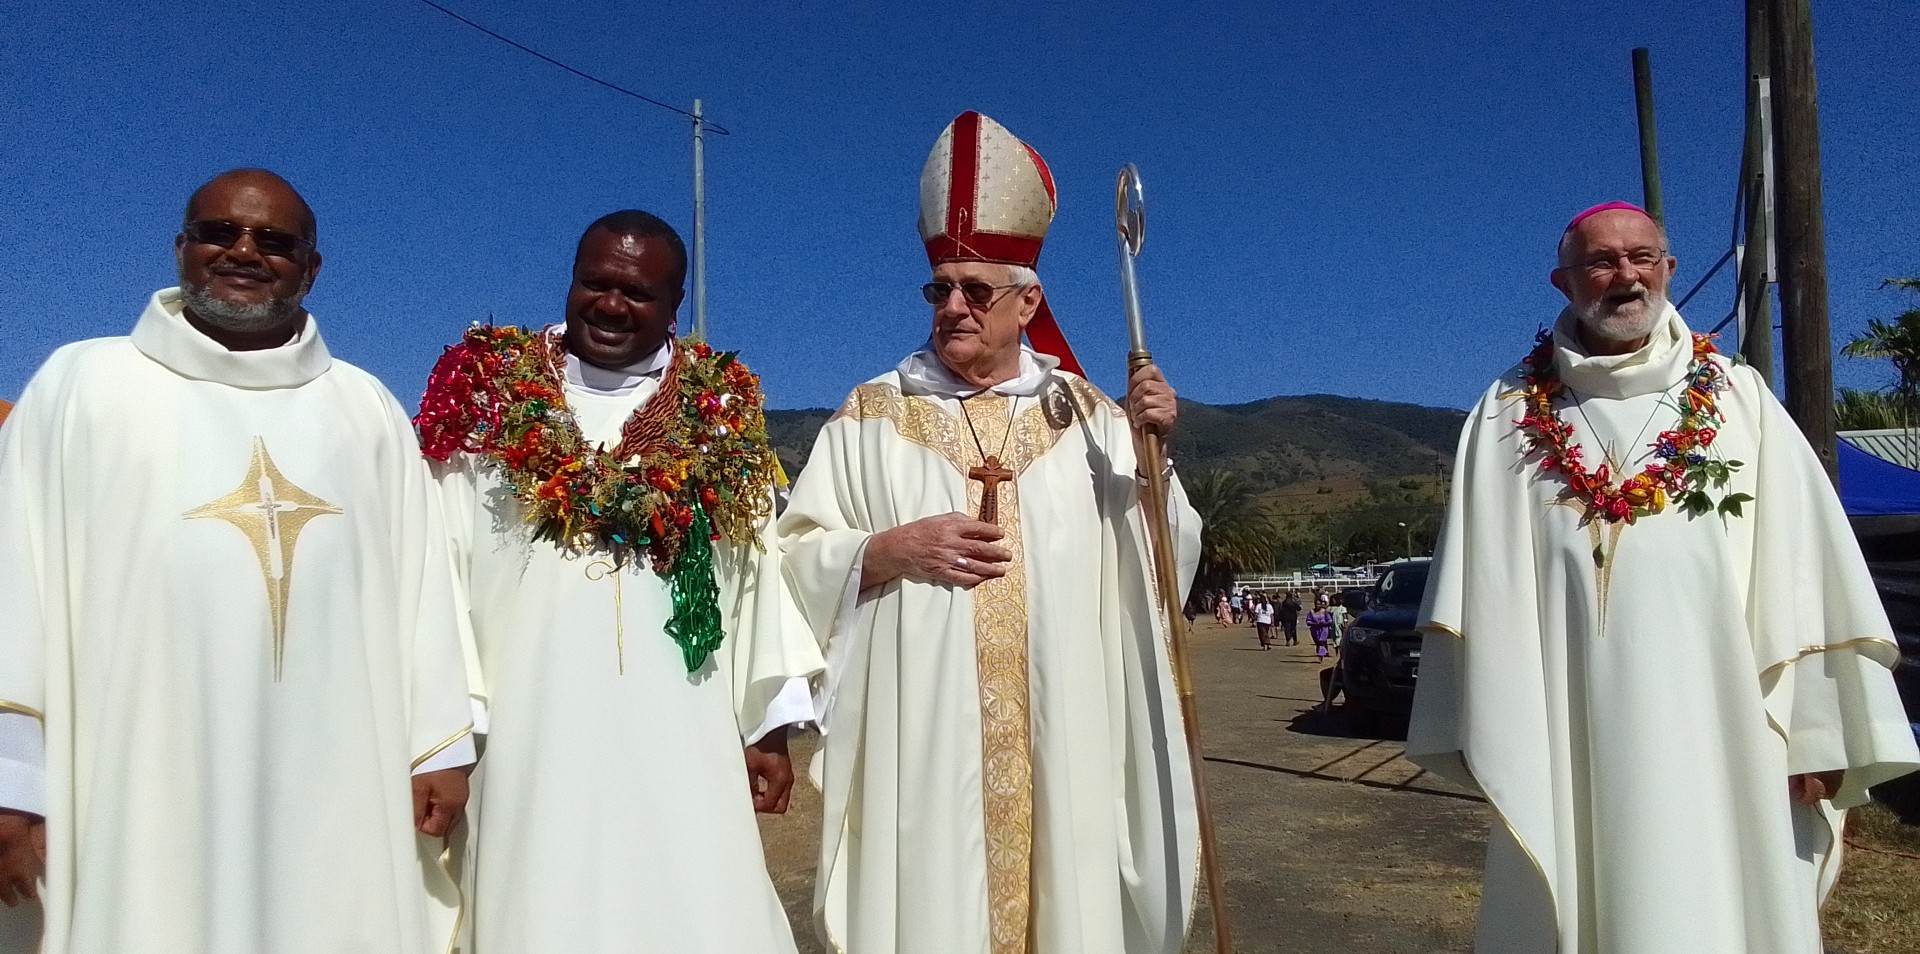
x=1330 y=842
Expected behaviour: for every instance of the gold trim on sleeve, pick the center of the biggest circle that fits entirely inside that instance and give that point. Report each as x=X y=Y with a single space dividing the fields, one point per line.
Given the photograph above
x=1439 y=629
x=459 y=891
x=442 y=747
x=1828 y=648
x=7 y=705
x=1553 y=898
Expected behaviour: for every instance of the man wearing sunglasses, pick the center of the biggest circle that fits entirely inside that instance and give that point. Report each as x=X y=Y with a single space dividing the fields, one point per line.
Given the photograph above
x=1003 y=766
x=233 y=707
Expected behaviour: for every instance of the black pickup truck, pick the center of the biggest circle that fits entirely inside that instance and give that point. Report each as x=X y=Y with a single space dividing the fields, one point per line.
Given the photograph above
x=1380 y=653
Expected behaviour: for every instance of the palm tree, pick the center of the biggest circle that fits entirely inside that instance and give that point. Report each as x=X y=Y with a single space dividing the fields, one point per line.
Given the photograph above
x=1856 y=410
x=1237 y=530
x=1897 y=341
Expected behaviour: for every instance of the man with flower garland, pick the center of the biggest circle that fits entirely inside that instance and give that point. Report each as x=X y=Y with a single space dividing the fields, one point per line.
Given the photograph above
x=610 y=495
x=1651 y=639
x=1003 y=766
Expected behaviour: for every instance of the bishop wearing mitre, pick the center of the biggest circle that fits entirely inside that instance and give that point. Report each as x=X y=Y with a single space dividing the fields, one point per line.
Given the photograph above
x=1004 y=767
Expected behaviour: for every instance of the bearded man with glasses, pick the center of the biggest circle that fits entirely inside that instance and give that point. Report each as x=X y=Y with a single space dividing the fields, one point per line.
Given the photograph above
x=1651 y=640
x=233 y=705
x=1003 y=766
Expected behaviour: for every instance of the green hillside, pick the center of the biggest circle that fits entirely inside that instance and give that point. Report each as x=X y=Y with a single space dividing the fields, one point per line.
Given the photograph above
x=1317 y=442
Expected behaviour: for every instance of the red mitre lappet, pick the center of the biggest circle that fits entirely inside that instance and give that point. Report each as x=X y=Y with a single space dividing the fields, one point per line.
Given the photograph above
x=985 y=196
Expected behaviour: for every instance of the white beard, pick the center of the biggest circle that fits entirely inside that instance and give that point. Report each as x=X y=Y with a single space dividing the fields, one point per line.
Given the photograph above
x=225 y=315
x=1626 y=321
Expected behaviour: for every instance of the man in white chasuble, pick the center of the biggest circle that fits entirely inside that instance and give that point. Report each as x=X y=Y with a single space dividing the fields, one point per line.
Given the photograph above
x=610 y=493
x=233 y=708
x=1651 y=639
x=1004 y=766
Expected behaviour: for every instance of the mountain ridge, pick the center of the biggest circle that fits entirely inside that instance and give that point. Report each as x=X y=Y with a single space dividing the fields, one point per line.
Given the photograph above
x=1277 y=443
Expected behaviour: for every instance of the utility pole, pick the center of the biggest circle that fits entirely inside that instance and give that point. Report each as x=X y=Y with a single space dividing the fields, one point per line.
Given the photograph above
x=1649 y=142
x=699 y=225
x=1806 y=334
x=1756 y=264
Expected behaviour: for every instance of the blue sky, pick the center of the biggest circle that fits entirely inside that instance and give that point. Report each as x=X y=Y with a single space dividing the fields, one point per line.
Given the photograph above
x=1355 y=198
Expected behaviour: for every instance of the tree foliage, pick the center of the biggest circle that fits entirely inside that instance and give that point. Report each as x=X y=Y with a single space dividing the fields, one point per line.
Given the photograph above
x=1897 y=342
x=1857 y=410
x=1237 y=530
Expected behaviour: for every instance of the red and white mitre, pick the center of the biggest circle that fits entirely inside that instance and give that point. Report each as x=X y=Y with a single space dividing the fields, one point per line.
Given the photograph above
x=985 y=196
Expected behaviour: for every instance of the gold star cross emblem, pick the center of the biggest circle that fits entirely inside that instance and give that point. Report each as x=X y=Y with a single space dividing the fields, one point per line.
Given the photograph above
x=271 y=511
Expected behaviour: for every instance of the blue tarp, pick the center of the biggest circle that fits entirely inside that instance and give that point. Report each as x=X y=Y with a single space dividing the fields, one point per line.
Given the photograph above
x=1873 y=487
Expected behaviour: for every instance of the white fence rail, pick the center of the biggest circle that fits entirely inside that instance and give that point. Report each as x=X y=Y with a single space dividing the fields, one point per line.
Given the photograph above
x=1305 y=581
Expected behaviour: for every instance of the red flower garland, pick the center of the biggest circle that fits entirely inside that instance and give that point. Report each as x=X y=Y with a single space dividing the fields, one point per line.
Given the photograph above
x=1681 y=468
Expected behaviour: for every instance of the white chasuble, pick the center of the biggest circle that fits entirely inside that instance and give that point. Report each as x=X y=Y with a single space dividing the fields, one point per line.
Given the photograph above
x=1632 y=698
x=611 y=808
x=1004 y=768
x=228 y=603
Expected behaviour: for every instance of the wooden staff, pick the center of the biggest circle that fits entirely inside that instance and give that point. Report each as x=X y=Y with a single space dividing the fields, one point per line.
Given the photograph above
x=1130 y=212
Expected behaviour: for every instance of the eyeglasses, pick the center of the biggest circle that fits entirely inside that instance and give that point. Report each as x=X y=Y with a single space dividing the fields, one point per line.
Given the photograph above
x=225 y=234
x=1640 y=258
x=976 y=293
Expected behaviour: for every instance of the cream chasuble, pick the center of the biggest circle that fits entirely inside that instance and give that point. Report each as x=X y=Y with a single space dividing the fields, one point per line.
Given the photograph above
x=1633 y=698
x=1003 y=768
x=611 y=811
x=228 y=603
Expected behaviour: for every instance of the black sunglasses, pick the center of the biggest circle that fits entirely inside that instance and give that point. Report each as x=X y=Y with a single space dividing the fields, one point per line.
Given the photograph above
x=226 y=234
x=976 y=293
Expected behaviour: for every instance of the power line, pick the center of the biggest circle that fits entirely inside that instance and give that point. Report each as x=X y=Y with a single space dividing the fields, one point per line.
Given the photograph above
x=710 y=125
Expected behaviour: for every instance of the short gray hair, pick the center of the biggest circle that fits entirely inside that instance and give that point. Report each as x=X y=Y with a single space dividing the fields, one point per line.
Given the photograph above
x=1021 y=276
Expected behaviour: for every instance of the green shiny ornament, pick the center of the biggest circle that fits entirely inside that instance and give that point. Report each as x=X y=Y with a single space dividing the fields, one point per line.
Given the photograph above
x=695 y=623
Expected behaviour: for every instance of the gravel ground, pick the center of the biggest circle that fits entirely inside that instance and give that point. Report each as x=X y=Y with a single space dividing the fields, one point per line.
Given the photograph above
x=1330 y=842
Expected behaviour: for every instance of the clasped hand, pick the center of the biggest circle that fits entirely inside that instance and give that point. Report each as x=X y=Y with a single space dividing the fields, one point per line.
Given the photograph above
x=952 y=549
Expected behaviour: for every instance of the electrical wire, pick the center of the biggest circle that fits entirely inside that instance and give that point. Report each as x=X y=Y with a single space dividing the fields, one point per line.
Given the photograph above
x=708 y=124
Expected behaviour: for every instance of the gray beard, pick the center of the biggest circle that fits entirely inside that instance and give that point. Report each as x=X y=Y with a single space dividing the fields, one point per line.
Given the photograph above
x=227 y=316
x=1625 y=321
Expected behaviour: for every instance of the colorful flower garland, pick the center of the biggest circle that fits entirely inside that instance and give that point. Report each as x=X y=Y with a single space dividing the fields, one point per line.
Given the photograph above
x=691 y=467
x=1681 y=470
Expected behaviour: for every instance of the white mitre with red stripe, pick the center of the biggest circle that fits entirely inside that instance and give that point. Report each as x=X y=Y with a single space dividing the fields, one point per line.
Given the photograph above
x=985 y=196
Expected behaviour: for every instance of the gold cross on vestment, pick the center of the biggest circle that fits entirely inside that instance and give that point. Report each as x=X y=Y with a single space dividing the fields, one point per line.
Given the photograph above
x=271 y=511
x=990 y=476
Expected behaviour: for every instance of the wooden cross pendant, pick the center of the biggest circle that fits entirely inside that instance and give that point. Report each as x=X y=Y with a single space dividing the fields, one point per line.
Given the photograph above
x=990 y=476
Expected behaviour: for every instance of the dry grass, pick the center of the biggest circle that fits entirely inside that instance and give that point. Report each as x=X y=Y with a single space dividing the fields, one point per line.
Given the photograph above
x=1876 y=907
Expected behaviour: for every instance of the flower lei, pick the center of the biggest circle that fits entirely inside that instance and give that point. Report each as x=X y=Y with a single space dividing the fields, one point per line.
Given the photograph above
x=1682 y=469
x=691 y=468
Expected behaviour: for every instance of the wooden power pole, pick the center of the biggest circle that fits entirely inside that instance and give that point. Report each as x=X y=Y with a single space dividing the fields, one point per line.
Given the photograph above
x=1649 y=142
x=1806 y=337
x=699 y=223
x=1756 y=264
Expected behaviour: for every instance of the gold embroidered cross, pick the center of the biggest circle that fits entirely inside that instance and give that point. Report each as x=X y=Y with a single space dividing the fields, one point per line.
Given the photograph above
x=271 y=511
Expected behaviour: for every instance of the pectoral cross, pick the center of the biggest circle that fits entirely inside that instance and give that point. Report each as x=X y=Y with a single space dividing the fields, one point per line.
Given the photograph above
x=990 y=476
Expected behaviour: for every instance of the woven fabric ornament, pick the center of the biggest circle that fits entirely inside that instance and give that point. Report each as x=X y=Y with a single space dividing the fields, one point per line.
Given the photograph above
x=693 y=465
